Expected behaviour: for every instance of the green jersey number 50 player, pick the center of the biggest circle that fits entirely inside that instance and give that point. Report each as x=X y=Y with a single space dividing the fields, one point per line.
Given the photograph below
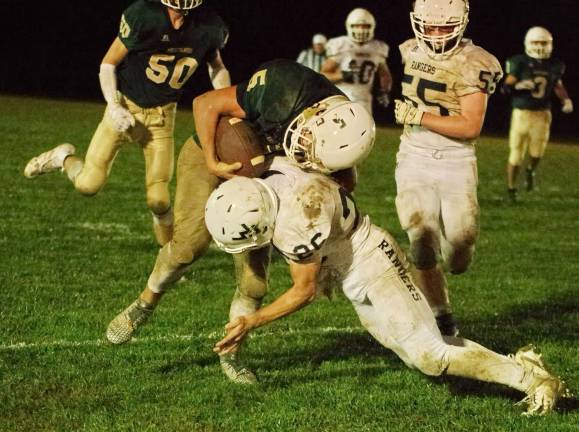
x=159 y=46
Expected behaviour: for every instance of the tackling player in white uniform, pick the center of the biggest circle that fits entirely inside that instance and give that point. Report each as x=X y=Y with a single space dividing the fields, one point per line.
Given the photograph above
x=446 y=84
x=354 y=60
x=315 y=225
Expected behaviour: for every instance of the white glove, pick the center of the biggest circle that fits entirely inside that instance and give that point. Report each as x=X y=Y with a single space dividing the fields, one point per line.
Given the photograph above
x=567 y=107
x=406 y=113
x=121 y=117
x=525 y=85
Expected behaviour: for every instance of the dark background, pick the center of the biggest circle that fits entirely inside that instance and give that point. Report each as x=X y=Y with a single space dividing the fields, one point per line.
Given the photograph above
x=54 y=48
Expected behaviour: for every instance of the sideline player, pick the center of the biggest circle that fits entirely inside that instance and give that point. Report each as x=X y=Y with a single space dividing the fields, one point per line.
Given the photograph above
x=315 y=225
x=159 y=46
x=313 y=110
x=446 y=84
x=531 y=80
x=356 y=59
x=314 y=56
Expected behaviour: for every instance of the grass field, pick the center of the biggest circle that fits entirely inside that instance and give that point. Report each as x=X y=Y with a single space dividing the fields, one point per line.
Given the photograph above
x=69 y=264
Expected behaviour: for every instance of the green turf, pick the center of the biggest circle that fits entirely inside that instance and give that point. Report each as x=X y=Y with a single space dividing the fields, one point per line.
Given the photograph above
x=69 y=264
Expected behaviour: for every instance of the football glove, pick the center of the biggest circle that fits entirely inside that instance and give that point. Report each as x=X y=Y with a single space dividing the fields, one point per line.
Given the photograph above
x=121 y=117
x=348 y=76
x=406 y=113
x=567 y=107
x=525 y=85
x=383 y=99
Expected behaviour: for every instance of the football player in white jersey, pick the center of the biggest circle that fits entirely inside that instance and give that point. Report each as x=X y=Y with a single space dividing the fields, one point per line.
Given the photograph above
x=446 y=85
x=315 y=225
x=356 y=59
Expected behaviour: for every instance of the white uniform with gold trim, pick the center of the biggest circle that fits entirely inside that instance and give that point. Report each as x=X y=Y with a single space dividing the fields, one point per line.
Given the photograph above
x=361 y=59
x=436 y=175
x=317 y=218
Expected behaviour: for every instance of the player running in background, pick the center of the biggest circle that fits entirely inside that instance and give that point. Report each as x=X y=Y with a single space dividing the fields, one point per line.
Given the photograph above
x=531 y=80
x=355 y=61
x=159 y=46
x=446 y=85
x=316 y=226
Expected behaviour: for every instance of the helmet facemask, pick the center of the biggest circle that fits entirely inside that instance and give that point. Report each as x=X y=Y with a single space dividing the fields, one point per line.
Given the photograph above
x=182 y=5
x=439 y=27
x=538 y=43
x=360 y=25
x=329 y=136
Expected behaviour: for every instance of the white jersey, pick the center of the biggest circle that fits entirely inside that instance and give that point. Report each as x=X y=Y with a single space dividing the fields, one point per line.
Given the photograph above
x=319 y=219
x=362 y=59
x=436 y=86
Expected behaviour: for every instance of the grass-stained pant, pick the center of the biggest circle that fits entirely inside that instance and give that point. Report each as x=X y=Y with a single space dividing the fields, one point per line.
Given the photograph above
x=154 y=132
x=190 y=236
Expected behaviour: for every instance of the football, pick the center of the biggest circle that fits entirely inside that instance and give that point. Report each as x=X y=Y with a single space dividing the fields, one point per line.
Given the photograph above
x=236 y=140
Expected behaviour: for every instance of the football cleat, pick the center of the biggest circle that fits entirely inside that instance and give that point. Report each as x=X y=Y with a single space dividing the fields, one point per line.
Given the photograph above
x=530 y=180
x=447 y=325
x=546 y=389
x=235 y=370
x=48 y=161
x=122 y=328
x=512 y=196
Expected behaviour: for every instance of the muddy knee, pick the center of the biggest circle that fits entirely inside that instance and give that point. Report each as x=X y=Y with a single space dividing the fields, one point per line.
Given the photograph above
x=158 y=198
x=424 y=250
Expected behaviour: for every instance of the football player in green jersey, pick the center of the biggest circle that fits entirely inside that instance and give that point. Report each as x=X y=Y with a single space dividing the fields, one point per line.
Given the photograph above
x=531 y=80
x=159 y=46
x=299 y=111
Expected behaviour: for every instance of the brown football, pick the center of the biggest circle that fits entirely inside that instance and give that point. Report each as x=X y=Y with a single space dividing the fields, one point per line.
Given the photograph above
x=236 y=140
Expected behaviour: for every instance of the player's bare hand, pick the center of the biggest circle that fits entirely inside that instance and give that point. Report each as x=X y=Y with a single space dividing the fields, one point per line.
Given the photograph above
x=525 y=85
x=236 y=331
x=224 y=170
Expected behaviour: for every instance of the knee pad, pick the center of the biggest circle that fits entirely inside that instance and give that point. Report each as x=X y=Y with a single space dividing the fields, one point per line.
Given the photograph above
x=158 y=198
x=424 y=249
x=429 y=361
x=459 y=258
x=87 y=187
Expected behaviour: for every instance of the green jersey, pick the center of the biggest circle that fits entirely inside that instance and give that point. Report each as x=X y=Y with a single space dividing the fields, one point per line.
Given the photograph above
x=544 y=73
x=161 y=59
x=278 y=92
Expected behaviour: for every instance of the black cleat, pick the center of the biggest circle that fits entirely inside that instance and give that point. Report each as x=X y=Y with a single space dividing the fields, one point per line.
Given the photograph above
x=447 y=325
x=530 y=180
x=512 y=196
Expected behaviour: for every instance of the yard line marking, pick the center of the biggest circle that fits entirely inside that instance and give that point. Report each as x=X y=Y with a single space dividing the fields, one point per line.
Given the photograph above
x=63 y=343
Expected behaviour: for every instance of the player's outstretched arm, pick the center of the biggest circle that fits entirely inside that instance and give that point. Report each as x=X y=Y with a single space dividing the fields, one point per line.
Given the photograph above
x=299 y=295
x=207 y=109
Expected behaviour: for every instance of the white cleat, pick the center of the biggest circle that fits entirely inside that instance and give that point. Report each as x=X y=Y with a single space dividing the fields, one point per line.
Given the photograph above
x=48 y=161
x=122 y=328
x=235 y=370
x=546 y=390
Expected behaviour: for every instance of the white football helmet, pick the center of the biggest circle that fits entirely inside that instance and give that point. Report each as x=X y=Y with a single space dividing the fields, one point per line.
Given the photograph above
x=439 y=25
x=240 y=214
x=182 y=4
x=331 y=135
x=360 y=25
x=538 y=43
